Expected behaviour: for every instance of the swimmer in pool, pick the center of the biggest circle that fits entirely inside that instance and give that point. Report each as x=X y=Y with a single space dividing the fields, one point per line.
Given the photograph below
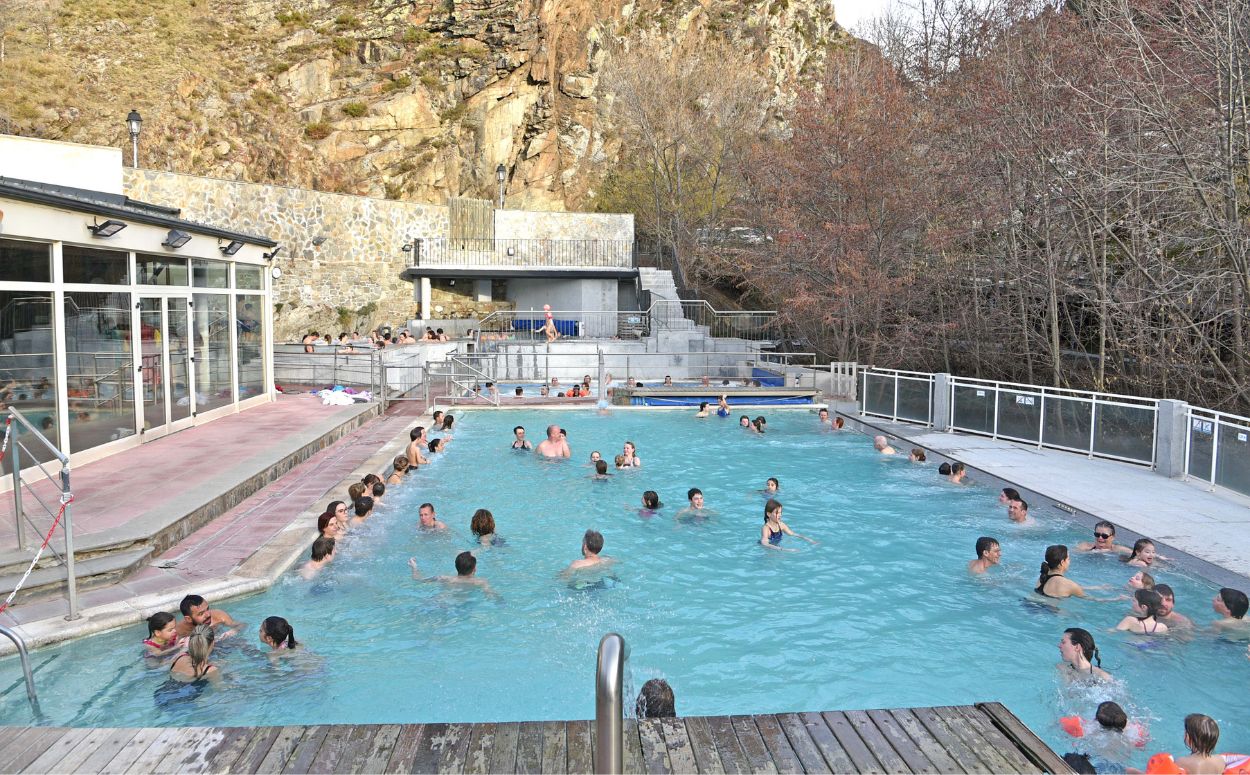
x=1007 y=495
x=722 y=406
x=1231 y=605
x=466 y=575
x=592 y=545
x=1167 y=608
x=401 y=466
x=702 y=410
x=838 y=423
x=518 y=438
x=1052 y=582
x=482 y=525
x=882 y=445
x=759 y=423
x=1145 y=617
x=417 y=442
x=427 y=520
x=1079 y=655
x=695 y=510
x=595 y=457
x=1143 y=554
x=1017 y=511
x=630 y=453
x=989 y=554
x=1141 y=580
x=162 y=640
x=745 y=422
x=194 y=664
x=364 y=509
x=917 y=455
x=322 y=555
x=823 y=416
x=774 y=528
x=772 y=486
x=650 y=504
x=619 y=462
x=958 y=472
x=1104 y=541
x=555 y=445
x=195 y=612
x=601 y=471
x=278 y=634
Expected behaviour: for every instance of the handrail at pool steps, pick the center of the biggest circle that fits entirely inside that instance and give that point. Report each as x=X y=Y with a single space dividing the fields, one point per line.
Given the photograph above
x=755 y=325
x=1212 y=439
x=609 y=704
x=27 y=674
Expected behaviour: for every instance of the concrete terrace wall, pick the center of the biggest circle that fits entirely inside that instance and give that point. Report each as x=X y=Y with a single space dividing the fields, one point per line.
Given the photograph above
x=359 y=264
x=525 y=224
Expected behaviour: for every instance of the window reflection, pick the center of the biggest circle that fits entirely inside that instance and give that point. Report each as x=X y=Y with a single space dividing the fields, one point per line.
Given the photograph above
x=251 y=363
x=99 y=368
x=27 y=368
x=213 y=387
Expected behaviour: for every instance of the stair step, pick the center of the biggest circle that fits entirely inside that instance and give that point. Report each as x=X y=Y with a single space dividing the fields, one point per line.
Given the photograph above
x=90 y=572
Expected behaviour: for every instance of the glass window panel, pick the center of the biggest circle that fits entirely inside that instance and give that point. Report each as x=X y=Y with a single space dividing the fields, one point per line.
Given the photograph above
x=1019 y=415
x=92 y=265
x=248 y=278
x=210 y=274
x=1066 y=422
x=211 y=327
x=161 y=270
x=1125 y=431
x=28 y=369
x=1233 y=469
x=25 y=262
x=879 y=394
x=152 y=335
x=913 y=399
x=974 y=408
x=99 y=368
x=178 y=328
x=250 y=324
x=1201 y=446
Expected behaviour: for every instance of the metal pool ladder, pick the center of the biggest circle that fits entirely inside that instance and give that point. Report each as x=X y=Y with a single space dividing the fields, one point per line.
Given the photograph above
x=609 y=683
x=30 y=677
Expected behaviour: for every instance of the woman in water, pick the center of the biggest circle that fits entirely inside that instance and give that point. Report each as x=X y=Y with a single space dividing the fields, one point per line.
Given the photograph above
x=650 y=504
x=1147 y=605
x=1080 y=655
x=630 y=453
x=774 y=528
x=1052 y=582
x=759 y=423
x=1143 y=554
x=278 y=634
x=336 y=513
x=194 y=665
x=772 y=486
x=745 y=422
x=702 y=409
x=1141 y=580
x=595 y=457
x=722 y=406
x=1104 y=541
x=401 y=467
x=162 y=637
x=483 y=527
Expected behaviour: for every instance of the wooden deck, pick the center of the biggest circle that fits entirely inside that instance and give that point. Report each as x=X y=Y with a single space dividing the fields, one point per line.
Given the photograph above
x=984 y=738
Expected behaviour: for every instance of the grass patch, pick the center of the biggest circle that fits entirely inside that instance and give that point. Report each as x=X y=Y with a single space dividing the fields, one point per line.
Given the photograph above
x=345 y=45
x=415 y=35
x=289 y=17
x=454 y=113
x=402 y=82
x=318 y=130
x=431 y=81
x=355 y=109
x=347 y=21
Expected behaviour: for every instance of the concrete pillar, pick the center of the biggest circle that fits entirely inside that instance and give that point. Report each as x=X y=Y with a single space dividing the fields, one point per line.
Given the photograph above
x=426 y=295
x=481 y=290
x=1170 y=438
x=941 y=407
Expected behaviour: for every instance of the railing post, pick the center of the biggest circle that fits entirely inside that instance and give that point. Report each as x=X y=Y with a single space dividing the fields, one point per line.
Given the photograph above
x=942 y=396
x=1041 y=422
x=1171 y=442
x=894 y=417
x=1215 y=449
x=609 y=680
x=1093 y=424
x=26 y=671
x=15 y=460
x=67 y=525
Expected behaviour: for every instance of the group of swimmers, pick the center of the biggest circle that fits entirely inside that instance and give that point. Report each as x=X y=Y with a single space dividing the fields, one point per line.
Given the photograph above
x=188 y=643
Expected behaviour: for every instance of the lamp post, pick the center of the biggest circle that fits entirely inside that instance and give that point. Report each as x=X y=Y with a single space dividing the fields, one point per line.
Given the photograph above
x=501 y=177
x=135 y=122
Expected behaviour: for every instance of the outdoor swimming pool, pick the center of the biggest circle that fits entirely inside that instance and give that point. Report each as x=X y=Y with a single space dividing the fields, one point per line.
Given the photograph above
x=880 y=614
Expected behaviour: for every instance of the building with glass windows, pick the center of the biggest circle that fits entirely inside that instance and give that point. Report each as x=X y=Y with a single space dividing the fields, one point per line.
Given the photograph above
x=120 y=321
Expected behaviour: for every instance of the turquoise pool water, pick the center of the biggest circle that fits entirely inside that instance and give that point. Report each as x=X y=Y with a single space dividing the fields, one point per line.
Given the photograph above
x=880 y=614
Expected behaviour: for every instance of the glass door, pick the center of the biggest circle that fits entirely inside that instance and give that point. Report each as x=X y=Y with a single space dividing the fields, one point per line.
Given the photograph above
x=165 y=365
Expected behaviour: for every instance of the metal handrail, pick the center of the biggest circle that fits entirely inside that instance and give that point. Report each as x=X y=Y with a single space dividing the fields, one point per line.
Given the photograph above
x=24 y=656
x=609 y=685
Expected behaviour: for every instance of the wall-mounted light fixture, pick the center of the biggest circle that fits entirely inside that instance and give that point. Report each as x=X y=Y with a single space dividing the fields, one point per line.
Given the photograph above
x=176 y=239
x=106 y=229
x=272 y=255
x=232 y=248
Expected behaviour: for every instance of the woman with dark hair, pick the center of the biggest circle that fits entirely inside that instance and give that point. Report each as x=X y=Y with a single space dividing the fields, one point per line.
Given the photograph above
x=656 y=700
x=1052 y=582
x=650 y=503
x=483 y=527
x=1147 y=605
x=278 y=634
x=336 y=512
x=1079 y=654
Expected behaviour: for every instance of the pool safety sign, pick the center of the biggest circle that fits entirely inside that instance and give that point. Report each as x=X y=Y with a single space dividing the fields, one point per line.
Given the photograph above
x=1205 y=427
x=1024 y=400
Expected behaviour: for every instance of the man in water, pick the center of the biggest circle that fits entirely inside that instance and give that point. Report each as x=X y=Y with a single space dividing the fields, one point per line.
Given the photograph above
x=883 y=446
x=823 y=415
x=322 y=554
x=1167 y=608
x=427 y=520
x=695 y=496
x=466 y=574
x=438 y=420
x=555 y=445
x=1018 y=511
x=520 y=442
x=417 y=442
x=195 y=611
x=989 y=553
x=592 y=544
x=1231 y=605
x=542 y=391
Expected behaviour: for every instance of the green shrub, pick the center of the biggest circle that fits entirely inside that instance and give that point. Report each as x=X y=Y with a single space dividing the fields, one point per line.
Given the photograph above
x=355 y=109
x=318 y=130
x=345 y=45
x=347 y=21
x=454 y=113
x=402 y=82
x=416 y=35
x=289 y=16
x=431 y=81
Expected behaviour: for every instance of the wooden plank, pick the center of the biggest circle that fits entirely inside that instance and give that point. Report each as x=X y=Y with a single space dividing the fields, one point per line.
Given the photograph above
x=106 y=749
x=358 y=746
x=377 y=751
x=851 y=742
x=47 y=760
x=952 y=742
x=732 y=758
x=281 y=749
x=878 y=743
x=702 y=745
x=17 y=741
x=503 y=757
x=581 y=756
x=189 y=753
x=332 y=747
x=631 y=753
x=996 y=740
x=157 y=752
x=301 y=759
x=405 y=749
x=925 y=741
x=1030 y=744
x=677 y=741
x=132 y=750
x=802 y=744
x=455 y=743
x=529 y=751
x=429 y=748
x=973 y=739
x=902 y=743
x=256 y=750
x=555 y=747
x=477 y=756
x=654 y=750
x=753 y=744
x=778 y=746
x=81 y=752
x=234 y=741
x=40 y=739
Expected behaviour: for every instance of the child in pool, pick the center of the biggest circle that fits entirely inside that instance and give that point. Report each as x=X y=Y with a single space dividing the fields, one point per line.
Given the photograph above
x=162 y=637
x=1144 y=619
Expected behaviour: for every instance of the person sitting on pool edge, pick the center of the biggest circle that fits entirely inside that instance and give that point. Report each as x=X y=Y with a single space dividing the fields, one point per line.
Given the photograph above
x=1104 y=540
x=656 y=700
x=1231 y=605
x=989 y=554
x=774 y=528
x=322 y=554
x=195 y=612
x=555 y=445
x=466 y=574
x=427 y=520
x=592 y=544
x=882 y=445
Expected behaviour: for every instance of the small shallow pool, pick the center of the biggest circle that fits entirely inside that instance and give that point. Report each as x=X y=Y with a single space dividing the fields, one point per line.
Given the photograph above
x=880 y=614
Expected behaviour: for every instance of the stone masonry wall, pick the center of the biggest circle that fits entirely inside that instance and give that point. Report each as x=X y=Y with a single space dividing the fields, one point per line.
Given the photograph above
x=353 y=280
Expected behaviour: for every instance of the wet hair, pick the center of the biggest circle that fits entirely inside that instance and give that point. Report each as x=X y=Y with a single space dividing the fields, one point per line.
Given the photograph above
x=435 y=444
x=601 y=466
x=379 y=489
x=775 y=481
x=771 y=505
x=519 y=390
x=984 y=544
x=1203 y=733
x=918 y=453
x=1148 y=581
x=447 y=421
x=415 y=433
x=334 y=506
x=369 y=479
x=627 y=444
x=693 y=491
x=429 y=506
x=519 y=427
x=1085 y=642
x=594 y=541
x=1106 y=524
x=483 y=523
x=363 y=505
x=744 y=417
x=158 y=621
x=322 y=547
x=1111 y=716
x=1163 y=589
x=1055 y=555
x=401 y=463
x=1138 y=546
x=1150 y=600
x=656 y=700
x=437 y=414
x=945 y=469
x=702 y=405
x=1080 y=763
x=1024 y=505
x=957 y=468
x=838 y=422
x=759 y=423
x=619 y=460
x=189 y=602
x=466 y=563
x=200 y=645
x=1236 y=601
x=651 y=499
x=1012 y=493
x=324 y=521
x=356 y=490
x=279 y=631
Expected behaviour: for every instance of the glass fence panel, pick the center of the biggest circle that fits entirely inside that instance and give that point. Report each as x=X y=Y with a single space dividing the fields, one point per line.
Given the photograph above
x=99 y=368
x=1019 y=415
x=879 y=394
x=1233 y=468
x=1066 y=423
x=1124 y=431
x=913 y=399
x=974 y=409
x=1201 y=446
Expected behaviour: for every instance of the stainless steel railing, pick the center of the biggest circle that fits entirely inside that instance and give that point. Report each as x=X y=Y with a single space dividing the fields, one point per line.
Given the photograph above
x=26 y=671
x=609 y=685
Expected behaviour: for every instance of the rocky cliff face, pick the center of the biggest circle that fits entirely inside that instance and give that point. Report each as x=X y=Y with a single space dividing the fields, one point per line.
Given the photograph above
x=404 y=99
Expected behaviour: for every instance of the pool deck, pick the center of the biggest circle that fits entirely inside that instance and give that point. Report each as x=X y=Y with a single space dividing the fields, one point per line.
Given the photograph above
x=982 y=738
x=1211 y=527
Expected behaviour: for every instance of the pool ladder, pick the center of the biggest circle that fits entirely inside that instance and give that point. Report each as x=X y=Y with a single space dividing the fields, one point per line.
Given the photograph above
x=609 y=683
x=30 y=677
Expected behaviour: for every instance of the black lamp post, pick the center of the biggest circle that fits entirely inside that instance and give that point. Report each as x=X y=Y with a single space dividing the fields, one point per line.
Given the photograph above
x=135 y=122
x=501 y=177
